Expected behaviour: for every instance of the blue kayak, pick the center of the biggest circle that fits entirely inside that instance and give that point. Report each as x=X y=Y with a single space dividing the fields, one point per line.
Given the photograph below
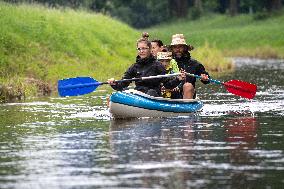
x=132 y=103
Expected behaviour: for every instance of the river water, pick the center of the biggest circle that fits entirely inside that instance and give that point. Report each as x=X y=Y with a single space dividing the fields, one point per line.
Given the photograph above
x=73 y=142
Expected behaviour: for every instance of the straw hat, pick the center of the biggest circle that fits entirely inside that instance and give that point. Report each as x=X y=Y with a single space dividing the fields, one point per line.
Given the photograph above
x=164 y=55
x=179 y=39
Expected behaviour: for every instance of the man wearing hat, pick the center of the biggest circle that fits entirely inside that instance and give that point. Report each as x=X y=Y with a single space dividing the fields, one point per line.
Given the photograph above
x=181 y=54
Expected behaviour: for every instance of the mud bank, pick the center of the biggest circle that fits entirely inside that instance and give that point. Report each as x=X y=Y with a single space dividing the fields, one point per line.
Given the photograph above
x=12 y=92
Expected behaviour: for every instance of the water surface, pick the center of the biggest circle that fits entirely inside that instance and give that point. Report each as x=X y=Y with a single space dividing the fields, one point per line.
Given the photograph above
x=73 y=143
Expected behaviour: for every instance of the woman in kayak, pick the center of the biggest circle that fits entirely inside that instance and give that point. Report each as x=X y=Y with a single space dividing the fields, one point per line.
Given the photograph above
x=145 y=65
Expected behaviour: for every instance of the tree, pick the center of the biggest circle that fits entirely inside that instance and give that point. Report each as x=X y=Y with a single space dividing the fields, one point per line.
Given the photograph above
x=274 y=5
x=233 y=7
x=179 y=8
x=146 y=13
x=198 y=5
x=222 y=6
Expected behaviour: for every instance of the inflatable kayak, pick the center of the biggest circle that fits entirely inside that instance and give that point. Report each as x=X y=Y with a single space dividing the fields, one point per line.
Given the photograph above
x=134 y=104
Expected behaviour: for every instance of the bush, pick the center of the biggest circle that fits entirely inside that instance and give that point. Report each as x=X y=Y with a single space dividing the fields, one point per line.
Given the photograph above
x=195 y=13
x=261 y=15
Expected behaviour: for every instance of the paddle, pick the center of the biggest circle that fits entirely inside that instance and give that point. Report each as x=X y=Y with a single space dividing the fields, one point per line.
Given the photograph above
x=236 y=87
x=84 y=85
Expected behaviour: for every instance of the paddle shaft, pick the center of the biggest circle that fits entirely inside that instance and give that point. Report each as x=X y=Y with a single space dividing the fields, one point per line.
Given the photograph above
x=148 y=77
x=236 y=87
x=211 y=80
x=123 y=80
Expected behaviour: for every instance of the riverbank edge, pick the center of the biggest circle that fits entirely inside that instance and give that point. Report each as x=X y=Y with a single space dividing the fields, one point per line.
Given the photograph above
x=25 y=88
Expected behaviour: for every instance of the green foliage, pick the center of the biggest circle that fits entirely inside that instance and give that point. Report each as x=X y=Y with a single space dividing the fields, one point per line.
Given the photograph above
x=136 y=13
x=261 y=15
x=230 y=35
x=211 y=5
x=50 y=44
x=212 y=58
x=195 y=13
x=142 y=14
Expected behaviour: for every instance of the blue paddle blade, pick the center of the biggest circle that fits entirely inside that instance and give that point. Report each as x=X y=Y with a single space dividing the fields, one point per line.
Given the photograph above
x=77 y=86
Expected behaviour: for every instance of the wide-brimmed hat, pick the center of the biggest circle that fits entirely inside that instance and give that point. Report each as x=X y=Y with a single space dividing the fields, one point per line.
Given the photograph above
x=179 y=39
x=164 y=55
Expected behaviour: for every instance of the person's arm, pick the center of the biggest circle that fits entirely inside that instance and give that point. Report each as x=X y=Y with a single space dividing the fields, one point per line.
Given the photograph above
x=119 y=86
x=204 y=74
x=156 y=68
x=176 y=81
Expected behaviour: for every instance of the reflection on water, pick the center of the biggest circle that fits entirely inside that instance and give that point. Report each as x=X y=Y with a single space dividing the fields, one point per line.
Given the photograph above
x=154 y=150
x=241 y=129
x=242 y=134
x=175 y=153
x=147 y=136
x=73 y=143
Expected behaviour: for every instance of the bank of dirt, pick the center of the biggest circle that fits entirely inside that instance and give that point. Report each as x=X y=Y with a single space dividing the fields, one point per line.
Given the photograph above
x=10 y=92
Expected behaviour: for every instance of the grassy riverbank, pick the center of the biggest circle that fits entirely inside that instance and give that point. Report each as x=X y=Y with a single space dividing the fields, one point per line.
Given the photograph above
x=49 y=44
x=39 y=45
x=242 y=35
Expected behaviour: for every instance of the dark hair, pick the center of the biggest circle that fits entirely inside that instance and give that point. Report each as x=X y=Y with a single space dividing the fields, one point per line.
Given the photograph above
x=144 y=39
x=187 y=48
x=165 y=48
x=158 y=41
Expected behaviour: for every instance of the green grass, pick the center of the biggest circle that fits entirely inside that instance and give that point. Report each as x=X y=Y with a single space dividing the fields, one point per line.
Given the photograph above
x=212 y=59
x=50 y=44
x=238 y=36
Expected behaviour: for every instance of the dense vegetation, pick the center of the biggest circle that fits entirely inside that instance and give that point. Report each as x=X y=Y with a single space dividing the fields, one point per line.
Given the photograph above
x=238 y=36
x=48 y=44
x=142 y=14
x=40 y=45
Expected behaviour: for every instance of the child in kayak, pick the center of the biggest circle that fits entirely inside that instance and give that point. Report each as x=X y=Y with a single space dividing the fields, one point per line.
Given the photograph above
x=165 y=58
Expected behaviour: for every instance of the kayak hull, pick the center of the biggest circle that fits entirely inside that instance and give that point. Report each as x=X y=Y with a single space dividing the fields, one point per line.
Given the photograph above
x=135 y=104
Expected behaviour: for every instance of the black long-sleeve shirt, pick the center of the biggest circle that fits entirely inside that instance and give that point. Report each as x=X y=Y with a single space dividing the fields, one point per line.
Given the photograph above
x=191 y=66
x=143 y=68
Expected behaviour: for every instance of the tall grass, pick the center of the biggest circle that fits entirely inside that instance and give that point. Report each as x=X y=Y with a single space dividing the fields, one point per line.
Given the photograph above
x=212 y=58
x=50 y=44
x=234 y=36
